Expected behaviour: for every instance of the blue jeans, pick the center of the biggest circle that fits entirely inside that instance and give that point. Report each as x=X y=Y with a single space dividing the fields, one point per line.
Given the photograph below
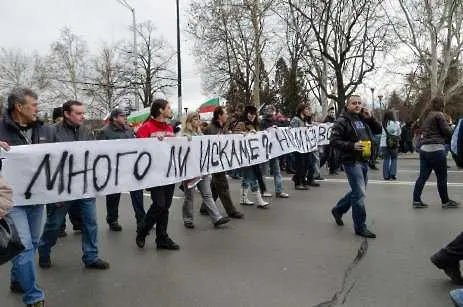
x=276 y=172
x=432 y=161
x=389 y=163
x=357 y=175
x=249 y=179
x=28 y=221
x=55 y=217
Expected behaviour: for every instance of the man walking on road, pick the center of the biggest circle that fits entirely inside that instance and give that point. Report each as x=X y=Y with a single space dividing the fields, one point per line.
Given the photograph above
x=20 y=126
x=118 y=129
x=71 y=130
x=352 y=134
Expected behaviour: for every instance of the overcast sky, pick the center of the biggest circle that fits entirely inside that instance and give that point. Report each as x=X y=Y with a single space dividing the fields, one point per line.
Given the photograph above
x=33 y=25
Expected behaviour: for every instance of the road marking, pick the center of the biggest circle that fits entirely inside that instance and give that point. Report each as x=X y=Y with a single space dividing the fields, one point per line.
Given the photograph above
x=383 y=182
x=149 y=195
x=417 y=171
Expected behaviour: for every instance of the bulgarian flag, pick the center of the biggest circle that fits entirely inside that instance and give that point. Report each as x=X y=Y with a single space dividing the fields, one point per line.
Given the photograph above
x=136 y=118
x=207 y=108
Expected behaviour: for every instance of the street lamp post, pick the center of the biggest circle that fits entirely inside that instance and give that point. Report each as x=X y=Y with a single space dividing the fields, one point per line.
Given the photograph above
x=179 y=65
x=134 y=52
x=373 y=100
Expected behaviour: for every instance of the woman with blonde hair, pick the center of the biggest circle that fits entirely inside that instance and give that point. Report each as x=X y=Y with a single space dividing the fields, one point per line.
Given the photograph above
x=192 y=127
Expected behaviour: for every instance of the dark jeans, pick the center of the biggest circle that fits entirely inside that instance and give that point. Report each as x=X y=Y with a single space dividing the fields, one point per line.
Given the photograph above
x=112 y=206
x=260 y=178
x=432 y=161
x=74 y=217
x=158 y=213
x=389 y=163
x=220 y=189
x=311 y=167
x=302 y=167
x=55 y=217
x=453 y=252
x=357 y=175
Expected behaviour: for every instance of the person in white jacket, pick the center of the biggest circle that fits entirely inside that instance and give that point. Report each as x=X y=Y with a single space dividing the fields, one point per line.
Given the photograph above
x=390 y=140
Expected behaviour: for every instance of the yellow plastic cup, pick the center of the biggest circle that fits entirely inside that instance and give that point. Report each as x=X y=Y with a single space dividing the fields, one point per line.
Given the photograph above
x=366 y=151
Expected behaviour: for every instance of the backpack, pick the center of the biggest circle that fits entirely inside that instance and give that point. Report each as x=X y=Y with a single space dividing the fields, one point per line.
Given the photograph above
x=456 y=144
x=392 y=141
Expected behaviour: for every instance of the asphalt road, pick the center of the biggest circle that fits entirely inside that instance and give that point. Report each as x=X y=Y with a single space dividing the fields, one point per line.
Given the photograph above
x=291 y=255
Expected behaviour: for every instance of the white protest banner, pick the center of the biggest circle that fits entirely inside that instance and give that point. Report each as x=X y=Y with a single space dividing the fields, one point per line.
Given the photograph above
x=47 y=173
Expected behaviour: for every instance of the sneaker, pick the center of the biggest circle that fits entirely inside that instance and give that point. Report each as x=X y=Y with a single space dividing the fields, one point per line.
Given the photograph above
x=236 y=215
x=44 y=262
x=451 y=269
x=282 y=195
x=450 y=204
x=301 y=187
x=115 y=226
x=319 y=178
x=393 y=178
x=267 y=194
x=167 y=243
x=189 y=224
x=457 y=297
x=314 y=184
x=337 y=217
x=99 y=264
x=222 y=221
x=140 y=240
x=419 y=205
x=366 y=234
x=37 y=304
x=15 y=287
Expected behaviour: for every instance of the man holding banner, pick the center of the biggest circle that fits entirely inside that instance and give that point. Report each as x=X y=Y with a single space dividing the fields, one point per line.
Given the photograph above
x=353 y=134
x=20 y=126
x=69 y=130
x=118 y=129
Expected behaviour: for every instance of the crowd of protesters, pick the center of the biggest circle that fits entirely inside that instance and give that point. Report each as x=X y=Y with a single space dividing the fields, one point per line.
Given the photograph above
x=357 y=140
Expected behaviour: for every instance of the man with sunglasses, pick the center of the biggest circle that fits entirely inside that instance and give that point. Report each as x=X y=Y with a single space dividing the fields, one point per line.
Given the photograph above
x=352 y=134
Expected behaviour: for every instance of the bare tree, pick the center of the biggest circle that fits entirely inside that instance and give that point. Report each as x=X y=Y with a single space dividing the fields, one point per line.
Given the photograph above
x=348 y=35
x=109 y=86
x=432 y=30
x=230 y=43
x=67 y=68
x=155 y=57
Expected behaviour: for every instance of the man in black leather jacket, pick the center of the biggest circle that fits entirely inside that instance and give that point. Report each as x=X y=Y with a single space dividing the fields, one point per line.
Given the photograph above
x=350 y=135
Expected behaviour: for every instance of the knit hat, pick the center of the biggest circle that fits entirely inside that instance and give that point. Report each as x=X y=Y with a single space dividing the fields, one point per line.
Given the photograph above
x=116 y=112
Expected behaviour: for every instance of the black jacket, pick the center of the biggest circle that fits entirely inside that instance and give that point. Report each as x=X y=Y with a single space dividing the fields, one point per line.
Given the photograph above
x=113 y=132
x=266 y=122
x=214 y=128
x=344 y=135
x=10 y=132
x=63 y=132
x=329 y=119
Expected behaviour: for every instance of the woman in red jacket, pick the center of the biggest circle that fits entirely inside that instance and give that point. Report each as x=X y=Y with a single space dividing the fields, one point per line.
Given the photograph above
x=158 y=213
